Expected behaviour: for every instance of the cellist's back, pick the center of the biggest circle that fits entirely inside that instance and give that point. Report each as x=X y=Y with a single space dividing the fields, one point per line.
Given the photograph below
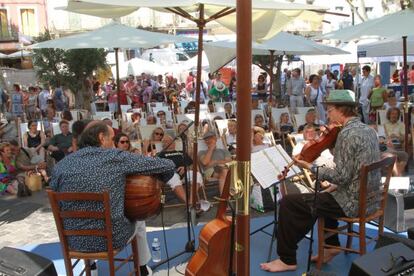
x=212 y=257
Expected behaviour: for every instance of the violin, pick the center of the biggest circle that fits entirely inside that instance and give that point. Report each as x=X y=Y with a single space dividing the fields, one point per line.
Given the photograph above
x=313 y=148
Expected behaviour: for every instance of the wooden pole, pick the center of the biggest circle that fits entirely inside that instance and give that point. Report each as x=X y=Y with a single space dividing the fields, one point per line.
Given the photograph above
x=405 y=89
x=200 y=24
x=244 y=132
x=118 y=89
x=270 y=100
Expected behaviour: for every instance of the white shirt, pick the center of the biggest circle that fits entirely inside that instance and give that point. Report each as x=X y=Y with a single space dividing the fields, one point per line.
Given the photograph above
x=230 y=138
x=43 y=97
x=366 y=84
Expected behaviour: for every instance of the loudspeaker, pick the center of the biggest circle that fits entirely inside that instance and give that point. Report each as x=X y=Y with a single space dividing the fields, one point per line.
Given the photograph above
x=389 y=238
x=393 y=259
x=16 y=262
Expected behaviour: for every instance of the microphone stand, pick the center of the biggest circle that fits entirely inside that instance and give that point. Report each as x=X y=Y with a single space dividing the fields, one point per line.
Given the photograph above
x=190 y=245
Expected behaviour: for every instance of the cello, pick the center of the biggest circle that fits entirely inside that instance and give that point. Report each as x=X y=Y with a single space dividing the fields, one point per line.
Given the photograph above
x=213 y=255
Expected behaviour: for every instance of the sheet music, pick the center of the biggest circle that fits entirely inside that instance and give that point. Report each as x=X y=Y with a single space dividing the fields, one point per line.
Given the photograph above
x=267 y=164
x=263 y=170
x=281 y=159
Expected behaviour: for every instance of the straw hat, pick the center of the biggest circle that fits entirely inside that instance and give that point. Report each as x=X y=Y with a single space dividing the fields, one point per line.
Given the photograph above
x=341 y=97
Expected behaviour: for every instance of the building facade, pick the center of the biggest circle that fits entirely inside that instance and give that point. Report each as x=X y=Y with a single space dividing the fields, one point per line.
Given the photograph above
x=20 y=20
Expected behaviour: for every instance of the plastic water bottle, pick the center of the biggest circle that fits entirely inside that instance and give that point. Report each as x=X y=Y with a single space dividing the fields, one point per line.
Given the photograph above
x=156 y=250
x=94 y=269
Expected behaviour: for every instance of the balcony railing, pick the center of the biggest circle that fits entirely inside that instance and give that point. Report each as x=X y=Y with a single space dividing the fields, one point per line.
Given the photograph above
x=11 y=34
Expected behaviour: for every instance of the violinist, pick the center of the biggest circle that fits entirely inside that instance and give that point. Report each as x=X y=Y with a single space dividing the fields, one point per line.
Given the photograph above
x=356 y=144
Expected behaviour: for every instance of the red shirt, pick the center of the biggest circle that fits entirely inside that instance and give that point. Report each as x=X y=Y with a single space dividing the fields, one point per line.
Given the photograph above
x=123 y=97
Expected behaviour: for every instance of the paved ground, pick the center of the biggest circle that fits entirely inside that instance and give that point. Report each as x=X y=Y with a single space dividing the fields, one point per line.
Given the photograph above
x=26 y=221
x=29 y=220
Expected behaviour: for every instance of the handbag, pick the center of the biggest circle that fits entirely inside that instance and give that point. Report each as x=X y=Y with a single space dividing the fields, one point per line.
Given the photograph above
x=33 y=180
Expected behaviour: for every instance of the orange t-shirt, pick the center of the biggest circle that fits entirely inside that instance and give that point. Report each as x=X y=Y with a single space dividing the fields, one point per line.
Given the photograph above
x=411 y=76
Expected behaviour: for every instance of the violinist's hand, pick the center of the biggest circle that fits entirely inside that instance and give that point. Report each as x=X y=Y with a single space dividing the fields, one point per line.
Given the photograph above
x=301 y=163
x=331 y=188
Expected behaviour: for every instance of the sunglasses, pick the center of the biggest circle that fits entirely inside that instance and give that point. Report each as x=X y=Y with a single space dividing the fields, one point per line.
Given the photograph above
x=159 y=133
x=124 y=142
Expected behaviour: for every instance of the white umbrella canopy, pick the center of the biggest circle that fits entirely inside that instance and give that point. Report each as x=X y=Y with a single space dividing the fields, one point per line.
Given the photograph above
x=269 y=16
x=20 y=54
x=387 y=47
x=3 y=56
x=397 y=24
x=113 y=35
x=97 y=10
x=221 y=52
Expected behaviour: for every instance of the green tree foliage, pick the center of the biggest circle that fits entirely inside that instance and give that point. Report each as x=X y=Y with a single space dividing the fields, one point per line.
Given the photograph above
x=49 y=62
x=70 y=68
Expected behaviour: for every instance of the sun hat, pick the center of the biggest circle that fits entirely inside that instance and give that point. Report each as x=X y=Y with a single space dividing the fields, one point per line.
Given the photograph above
x=341 y=97
x=220 y=86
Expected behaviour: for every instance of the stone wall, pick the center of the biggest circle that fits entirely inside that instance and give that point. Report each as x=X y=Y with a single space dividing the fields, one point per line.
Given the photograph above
x=9 y=76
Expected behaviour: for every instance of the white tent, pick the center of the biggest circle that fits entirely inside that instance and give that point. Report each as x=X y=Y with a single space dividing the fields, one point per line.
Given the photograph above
x=269 y=16
x=97 y=10
x=386 y=47
x=396 y=24
x=3 y=56
x=221 y=52
x=113 y=35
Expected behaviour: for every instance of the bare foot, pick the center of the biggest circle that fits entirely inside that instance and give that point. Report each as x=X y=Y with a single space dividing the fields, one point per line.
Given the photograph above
x=277 y=266
x=328 y=255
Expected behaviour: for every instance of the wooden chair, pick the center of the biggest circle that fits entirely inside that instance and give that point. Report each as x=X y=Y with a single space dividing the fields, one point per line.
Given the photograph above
x=364 y=217
x=55 y=198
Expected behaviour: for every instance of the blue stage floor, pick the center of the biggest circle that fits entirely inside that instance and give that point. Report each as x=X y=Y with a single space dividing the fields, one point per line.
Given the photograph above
x=177 y=238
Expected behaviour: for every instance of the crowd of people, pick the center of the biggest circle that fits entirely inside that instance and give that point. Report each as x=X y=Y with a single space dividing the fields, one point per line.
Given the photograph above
x=166 y=105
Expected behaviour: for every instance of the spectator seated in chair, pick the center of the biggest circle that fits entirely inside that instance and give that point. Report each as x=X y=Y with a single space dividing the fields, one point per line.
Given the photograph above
x=394 y=128
x=258 y=143
x=213 y=160
x=180 y=160
x=60 y=145
x=25 y=163
x=33 y=141
x=230 y=134
x=8 y=181
x=310 y=119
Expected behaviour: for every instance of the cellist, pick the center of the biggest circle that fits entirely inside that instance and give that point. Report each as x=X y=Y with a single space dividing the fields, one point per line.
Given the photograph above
x=356 y=144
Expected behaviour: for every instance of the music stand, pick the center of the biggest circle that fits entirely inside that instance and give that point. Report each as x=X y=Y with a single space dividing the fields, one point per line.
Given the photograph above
x=190 y=245
x=274 y=222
